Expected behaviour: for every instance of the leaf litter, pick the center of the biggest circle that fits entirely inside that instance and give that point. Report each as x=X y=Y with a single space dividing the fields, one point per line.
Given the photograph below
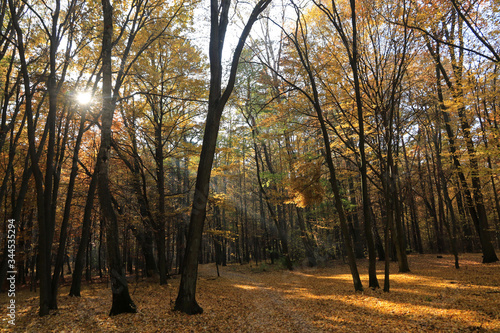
x=433 y=297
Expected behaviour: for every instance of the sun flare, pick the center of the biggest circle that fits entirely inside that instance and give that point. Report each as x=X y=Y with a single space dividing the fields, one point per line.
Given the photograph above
x=84 y=97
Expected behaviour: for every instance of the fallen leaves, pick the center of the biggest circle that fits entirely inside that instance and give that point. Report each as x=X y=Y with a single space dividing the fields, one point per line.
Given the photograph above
x=434 y=297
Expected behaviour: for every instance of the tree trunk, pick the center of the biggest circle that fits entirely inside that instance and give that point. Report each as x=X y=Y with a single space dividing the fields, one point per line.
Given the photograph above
x=76 y=281
x=122 y=302
x=372 y=269
x=43 y=185
x=145 y=241
x=186 y=301
x=309 y=245
x=315 y=101
x=160 y=223
x=66 y=215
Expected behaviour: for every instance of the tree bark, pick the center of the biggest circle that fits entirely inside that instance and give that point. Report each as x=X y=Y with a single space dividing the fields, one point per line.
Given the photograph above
x=372 y=268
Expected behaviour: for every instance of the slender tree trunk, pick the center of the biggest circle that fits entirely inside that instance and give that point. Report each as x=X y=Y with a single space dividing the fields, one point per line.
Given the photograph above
x=338 y=202
x=76 y=282
x=431 y=203
x=119 y=286
x=145 y=241
x=417 y=238
x=99 y=249
x=387 y=260
x=88 y=260
x=378 y=240
x=160 y=223
x=309 y=245
x=358 y=240
x=314 y=99
x=66 y=215
x=43 y=186
x=372 y=269
x=16 y=212
x=447 y=200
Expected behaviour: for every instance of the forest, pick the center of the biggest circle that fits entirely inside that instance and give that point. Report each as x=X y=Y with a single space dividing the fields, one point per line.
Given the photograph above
x=336 y=159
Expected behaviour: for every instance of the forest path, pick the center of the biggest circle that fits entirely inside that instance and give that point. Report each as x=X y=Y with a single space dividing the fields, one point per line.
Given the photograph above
x=267 y=297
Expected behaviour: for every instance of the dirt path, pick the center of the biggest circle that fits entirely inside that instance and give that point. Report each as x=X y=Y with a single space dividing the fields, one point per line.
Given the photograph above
x=269 y=307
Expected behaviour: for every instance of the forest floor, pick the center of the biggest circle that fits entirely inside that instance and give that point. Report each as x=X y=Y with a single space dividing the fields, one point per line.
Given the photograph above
x=433 y=297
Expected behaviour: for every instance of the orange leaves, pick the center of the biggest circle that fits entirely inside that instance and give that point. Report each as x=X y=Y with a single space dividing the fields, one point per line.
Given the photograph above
x=435 y=297
x=305 y=188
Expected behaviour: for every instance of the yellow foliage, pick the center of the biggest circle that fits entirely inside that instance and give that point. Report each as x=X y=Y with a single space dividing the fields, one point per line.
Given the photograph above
x=304 y=187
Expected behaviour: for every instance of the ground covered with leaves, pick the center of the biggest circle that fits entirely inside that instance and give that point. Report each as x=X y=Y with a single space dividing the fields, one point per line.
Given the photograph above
x=433 y=297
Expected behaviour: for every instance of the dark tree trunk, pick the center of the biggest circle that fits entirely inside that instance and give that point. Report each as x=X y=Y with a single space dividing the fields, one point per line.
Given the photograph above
x=430 y=202
x=415 y=228
x=99 y=249
x=378 y=240
x=350 y=44
x=357 y=238
x=16 y=213
x=88 y=261
x=372 y=269
x=442 y=183
x=121 y=298
x=76 y=282
x=43 y=185
x=338 y=199
x=66 y=215
x=145 y=241
x=186 y=301
x=387 y=262
x=465 y=221
x=309 y=245
x=316 y=104
x=160 y=223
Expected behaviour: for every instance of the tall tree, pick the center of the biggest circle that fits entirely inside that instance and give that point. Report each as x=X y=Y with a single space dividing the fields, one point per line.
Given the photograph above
x=299 y=40
x=219 y=20
x=119 y=287
x=350 y=44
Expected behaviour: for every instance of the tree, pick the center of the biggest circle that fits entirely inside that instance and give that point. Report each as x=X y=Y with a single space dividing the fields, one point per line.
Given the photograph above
x=351 y=46
x=168 y=96
x=119 y=287
x=219 y=19
x=299 y=40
